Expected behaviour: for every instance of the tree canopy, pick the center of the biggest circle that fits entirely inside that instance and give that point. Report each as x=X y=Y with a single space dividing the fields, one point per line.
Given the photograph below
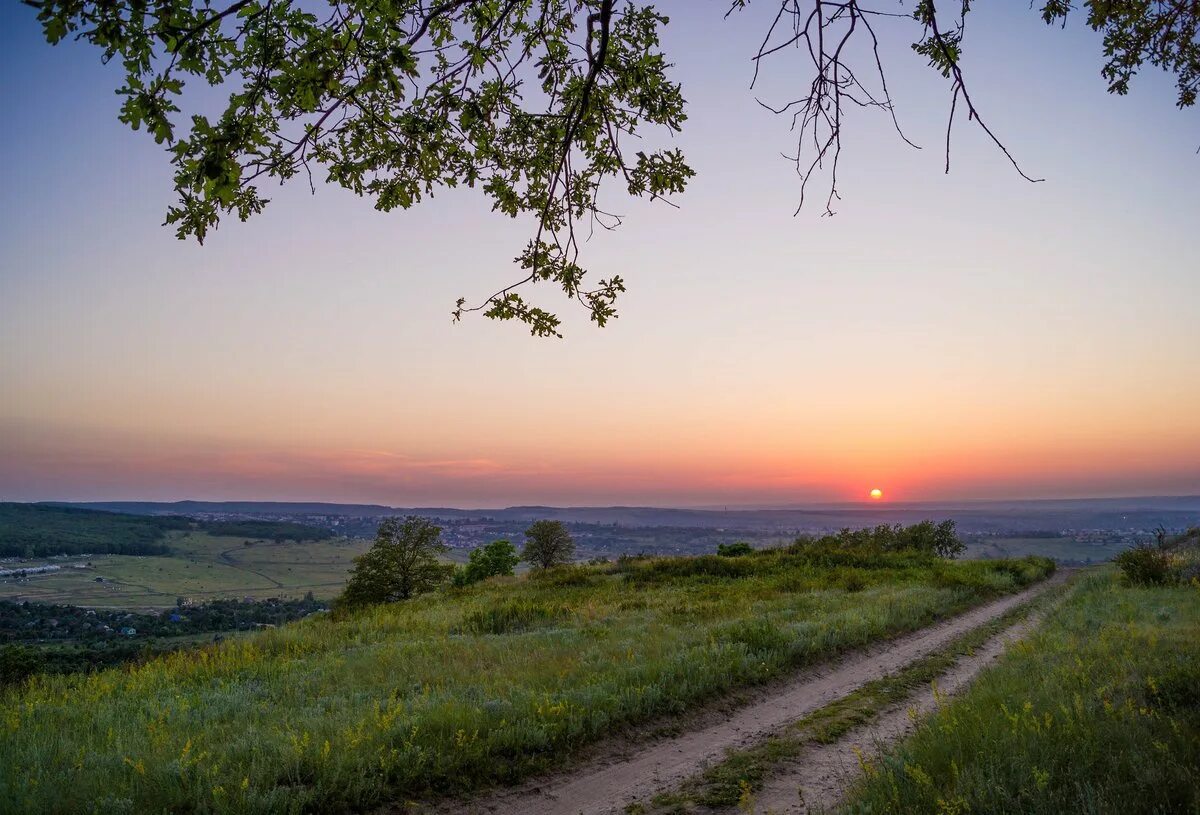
x=533 y=102
x=401 y=563
x=548 y=543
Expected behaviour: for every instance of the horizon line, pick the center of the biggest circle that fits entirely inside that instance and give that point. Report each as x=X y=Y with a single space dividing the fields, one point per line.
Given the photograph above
x=707 y=507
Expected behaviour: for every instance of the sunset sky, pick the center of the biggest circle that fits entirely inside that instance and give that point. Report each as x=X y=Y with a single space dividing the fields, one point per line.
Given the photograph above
x=942 y=337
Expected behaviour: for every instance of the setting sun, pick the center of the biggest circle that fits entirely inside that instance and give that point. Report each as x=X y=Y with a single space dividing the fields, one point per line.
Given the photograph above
x=876 y=494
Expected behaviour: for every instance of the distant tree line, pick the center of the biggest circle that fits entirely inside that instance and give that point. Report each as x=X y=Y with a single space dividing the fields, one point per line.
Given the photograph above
x=40 y=638
x=41 y=530
x=31 y=622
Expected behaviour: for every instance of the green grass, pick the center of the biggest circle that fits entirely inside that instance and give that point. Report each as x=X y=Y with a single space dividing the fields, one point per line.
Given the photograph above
x=1097 y=712
x=200 y=567
x=460 y=689
x=742 y=772
x=1060 y=549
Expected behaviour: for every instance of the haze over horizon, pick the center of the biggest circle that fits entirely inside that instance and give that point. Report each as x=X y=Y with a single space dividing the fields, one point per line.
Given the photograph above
x=945 y=337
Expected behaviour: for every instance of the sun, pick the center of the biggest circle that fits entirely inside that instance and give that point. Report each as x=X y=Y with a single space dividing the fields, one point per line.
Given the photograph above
x=876 y=494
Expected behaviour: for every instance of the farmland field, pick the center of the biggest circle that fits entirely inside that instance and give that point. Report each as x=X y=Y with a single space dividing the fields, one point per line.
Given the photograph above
x=200 y=567
x=1061 y=549
x=461 y=688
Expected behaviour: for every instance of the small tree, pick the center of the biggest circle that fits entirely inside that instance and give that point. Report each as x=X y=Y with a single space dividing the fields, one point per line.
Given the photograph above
x=547 y=543
x=496 y=558
x=400 y=564
x=735 y=549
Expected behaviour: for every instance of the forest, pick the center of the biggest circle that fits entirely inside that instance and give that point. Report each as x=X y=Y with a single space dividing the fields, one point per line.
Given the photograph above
x=44 y=530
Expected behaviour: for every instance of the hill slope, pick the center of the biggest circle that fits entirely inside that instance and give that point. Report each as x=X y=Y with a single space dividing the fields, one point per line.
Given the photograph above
x=461 y=688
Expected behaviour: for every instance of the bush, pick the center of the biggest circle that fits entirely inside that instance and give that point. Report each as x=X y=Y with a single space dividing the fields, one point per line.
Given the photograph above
x=1147 y=565
x=495 y=559
x=853 y=581
x=925 y=537
x=736 y=549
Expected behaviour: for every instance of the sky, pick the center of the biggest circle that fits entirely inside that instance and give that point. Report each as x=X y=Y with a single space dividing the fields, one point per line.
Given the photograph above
x=954 y=336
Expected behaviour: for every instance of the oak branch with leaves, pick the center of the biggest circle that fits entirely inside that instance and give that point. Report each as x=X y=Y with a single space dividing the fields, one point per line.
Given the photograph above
x=534 y=102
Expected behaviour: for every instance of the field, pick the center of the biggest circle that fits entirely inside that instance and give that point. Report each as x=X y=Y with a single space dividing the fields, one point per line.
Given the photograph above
x=1097 y=712
x=200 y=567
x=458 y=689
x=1064 y=550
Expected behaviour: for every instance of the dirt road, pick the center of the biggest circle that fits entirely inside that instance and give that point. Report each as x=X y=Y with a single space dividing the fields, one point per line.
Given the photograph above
x=818 y=779
x=608 y=783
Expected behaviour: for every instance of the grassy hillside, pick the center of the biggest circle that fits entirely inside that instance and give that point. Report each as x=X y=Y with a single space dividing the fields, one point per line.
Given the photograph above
x=458 y=689
x=41 y=530
x=1098 y=712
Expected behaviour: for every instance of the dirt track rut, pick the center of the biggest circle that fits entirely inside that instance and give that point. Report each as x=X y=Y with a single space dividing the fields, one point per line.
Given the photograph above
x=607 y=784
x=818 y=779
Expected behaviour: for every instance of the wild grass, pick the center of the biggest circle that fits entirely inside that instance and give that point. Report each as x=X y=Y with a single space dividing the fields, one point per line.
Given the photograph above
x=200 y=567
x=459 y=689
x=743 y=771
x=1097 y=712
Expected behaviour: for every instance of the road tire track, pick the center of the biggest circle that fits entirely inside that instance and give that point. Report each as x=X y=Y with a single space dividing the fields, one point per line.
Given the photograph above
x=820 y=778
x=608 y=783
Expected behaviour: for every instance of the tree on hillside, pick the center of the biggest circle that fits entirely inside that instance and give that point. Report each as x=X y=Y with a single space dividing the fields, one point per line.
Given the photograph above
x=534 y=103
x=496 y=558
x=548 y=543
x=400 y=564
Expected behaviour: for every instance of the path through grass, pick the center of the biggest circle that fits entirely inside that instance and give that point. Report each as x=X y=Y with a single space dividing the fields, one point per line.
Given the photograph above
x=1098 y=711
x=457 y=690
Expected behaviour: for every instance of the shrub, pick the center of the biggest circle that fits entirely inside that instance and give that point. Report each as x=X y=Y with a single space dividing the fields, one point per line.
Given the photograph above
x=1146 y=565
x=496 y=558
x=736 y=549
x=853 y=581
x=925 y=537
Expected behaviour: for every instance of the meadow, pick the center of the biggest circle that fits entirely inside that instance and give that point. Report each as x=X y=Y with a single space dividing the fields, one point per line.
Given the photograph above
x=200 y=566
x=1063 y=550
x=459 y=689
x=1098 y=711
